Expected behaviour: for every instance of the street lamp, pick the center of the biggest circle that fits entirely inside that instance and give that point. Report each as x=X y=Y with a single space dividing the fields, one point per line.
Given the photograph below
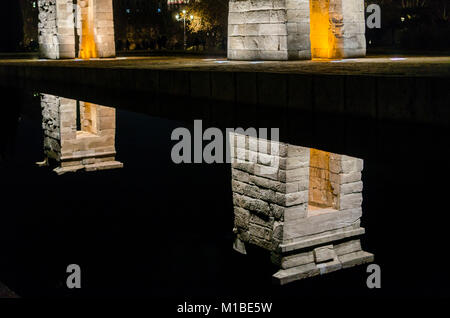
x=182 y=15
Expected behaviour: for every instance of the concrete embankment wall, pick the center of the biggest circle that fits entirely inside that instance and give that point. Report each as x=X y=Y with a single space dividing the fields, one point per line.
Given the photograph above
x=410 y=99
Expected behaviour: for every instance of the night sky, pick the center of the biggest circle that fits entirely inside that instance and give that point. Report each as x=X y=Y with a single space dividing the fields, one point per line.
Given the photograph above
x=11 y=25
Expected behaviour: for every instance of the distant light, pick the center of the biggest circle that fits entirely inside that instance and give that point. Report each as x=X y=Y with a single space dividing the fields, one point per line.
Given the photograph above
x=403 y=19
x=398 y=59
x=221 y=62
x=177 y=17
x=128 y=10
x=34 y=4
x=192 y=17
x=159 y=10
x=184 y=11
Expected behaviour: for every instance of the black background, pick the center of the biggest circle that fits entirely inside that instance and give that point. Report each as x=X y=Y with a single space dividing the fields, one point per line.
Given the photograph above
x=163 y=231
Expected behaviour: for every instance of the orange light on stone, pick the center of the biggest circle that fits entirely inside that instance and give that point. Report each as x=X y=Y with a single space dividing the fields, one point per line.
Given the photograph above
x=88 y=46
x=324 y=27
x=322 y=181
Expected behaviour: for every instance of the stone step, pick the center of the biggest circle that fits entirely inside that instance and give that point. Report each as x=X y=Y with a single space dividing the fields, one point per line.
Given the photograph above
x=289 y=275
x=92 y=167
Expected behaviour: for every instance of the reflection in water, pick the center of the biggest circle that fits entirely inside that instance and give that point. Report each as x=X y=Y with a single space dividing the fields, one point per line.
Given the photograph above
x=78 y=135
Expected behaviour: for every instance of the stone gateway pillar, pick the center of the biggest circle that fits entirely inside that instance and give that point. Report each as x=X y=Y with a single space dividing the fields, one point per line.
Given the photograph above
x=76 y=28
x=78 y=135
x=302 y=205
x=296 y=29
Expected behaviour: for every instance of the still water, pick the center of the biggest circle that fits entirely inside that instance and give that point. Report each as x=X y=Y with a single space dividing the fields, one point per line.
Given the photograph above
x=157 y=229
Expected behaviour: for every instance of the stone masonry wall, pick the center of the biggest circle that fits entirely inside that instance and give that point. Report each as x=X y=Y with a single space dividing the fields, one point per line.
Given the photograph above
x=92 y=147
x=295 y=29
x=271 y=193
x=322 y=192
x=268 y=29
x=79 y=146
x=51 y=126
x=354 y=28
x=85 y=30
x=56 y=29
x=104 y=28
x=349 y=175
x=298 y=28
x=269 y=187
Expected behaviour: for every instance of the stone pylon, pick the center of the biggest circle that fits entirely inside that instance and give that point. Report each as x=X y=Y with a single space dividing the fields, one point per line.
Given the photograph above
x=296 y=29
x=78 y=135
x=302 y=205
x=76 y=28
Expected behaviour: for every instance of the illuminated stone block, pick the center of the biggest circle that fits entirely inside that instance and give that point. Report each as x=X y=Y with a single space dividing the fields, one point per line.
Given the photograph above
x=303 y=205
x=296 y=29
x=78 y=135
x=56 y=29
x=81 y=28
x=95 y=28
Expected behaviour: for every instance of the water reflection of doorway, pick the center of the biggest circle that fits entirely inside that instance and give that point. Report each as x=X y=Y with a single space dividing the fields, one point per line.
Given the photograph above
x=78 y=135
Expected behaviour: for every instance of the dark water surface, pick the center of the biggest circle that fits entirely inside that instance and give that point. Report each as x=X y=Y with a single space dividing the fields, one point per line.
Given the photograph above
x=157 y=229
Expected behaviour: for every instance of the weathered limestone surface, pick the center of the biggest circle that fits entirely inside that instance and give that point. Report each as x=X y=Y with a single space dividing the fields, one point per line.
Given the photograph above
x=104 y=28
x=56 y=29
x=90 y=148
x=82 y=28
x=295 y=29
x=301 y=204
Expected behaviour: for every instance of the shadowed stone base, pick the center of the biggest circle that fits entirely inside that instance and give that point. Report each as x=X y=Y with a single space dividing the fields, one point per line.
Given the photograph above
x=285 y=276
x=92 y=167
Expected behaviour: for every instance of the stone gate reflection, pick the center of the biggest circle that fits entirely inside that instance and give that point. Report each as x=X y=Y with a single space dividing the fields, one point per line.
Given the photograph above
x=78 y=135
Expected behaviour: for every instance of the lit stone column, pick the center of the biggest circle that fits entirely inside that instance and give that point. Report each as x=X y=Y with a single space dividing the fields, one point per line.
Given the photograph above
x=56 y=29
x=83 y=28
x=295 y=29
x=95 y=28
x=354 y=28
x=104 y=28
x=257 y=30
x=302 y=205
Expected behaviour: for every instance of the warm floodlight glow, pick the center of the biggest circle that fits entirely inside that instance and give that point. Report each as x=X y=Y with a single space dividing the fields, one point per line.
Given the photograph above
x=88 y=45
x=323 y=42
